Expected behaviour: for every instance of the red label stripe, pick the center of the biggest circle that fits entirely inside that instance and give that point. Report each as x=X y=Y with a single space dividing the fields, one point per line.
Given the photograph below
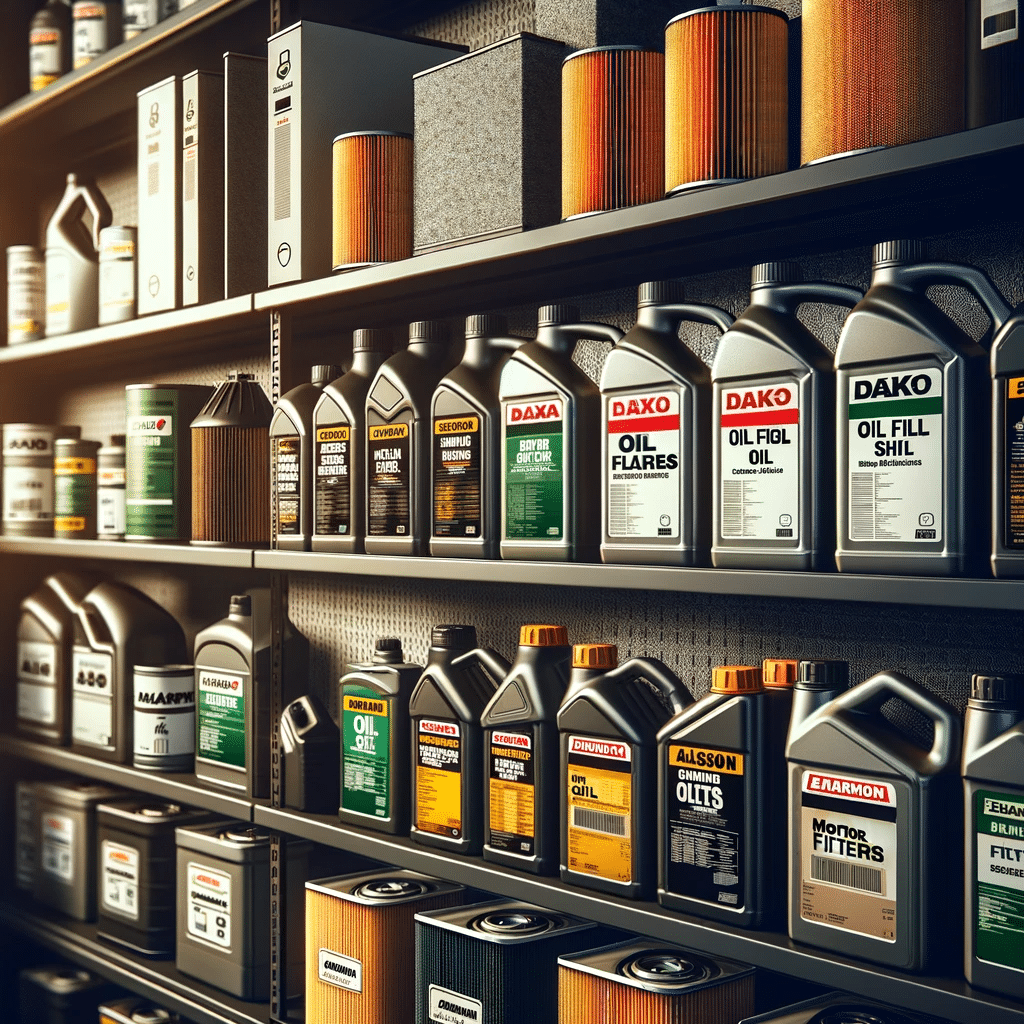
x=761 y=419
x=644 y=423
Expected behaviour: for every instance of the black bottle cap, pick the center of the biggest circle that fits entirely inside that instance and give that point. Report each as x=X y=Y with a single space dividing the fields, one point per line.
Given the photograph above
x=549 y=316
x=387 y=643
x=453 y=638
x=430 y=330
x=372 y=339
x=903 y=250
x=238 y=375
x=117 y=440
x=779 y=272
x=298 y=714
x=486 y=325
x=241 y=604
x=323 y=373
x=660 y=293
x=1004 y=689
x=823 y=675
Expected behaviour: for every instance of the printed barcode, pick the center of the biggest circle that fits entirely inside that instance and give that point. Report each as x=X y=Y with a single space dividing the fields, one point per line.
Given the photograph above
x=862 y=506
x=190 y=181
x=153 y=183
x=600 y=821
x=283 y=171
x=841 y=872
x=732 y=508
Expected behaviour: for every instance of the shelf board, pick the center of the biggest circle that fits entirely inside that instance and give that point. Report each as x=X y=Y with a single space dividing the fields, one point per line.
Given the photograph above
x=181 y=788
x=125 y=551
x=945 y=997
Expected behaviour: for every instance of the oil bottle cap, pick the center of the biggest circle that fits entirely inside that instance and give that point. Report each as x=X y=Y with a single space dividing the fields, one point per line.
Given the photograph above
x=600 y=656
x=548 y=316
x=373 y=339
x=779 y=673
x=658 y=293
x=117 y=440
x=543 y=636
x=736 y=679
x=1005 y=689
x=241 y=604
x=903 y=250
x=486 y=325
x=387 y=643
x=430 y=330
x=457 y=638
x=777 y=272
x=238 y=375
x=823 y=675
x=323 y=373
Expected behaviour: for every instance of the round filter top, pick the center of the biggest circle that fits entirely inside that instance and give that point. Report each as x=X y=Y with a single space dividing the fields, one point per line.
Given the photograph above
x=160 y=810
x=372 y=339
x=323 y=373
x=657 y=293
x=250 y=836
x=668 y=968
x=597 y=656
x=430 y=330
x=823 y=675
x=779 y=672
x=548 y=316
x=736 y=679
x=857 y=1015
x=778 y=272
x=1005 y=689
x=150 y=1015
x=382 y=890
x=903 y=250
x=486 y=325
x=543 y=636
x=458 y=638
x=514 y=923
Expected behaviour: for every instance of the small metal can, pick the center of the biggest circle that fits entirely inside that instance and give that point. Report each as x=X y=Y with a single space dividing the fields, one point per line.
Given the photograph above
x=110 y=490
x=117 y=274
x=96 y=29
x=142 y=14
x=74 y=488
x=165 y=718
x=28 y=477
x=26 y=294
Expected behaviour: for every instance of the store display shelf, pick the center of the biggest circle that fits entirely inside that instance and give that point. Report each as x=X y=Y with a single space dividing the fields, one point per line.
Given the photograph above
x=158 y=981
x=124 y=551
x=180 y=788
x=945 y=997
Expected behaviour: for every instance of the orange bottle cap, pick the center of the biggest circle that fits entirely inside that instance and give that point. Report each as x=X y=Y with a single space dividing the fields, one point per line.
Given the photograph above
x=736 y=679
x=543 y=636
x=779 y=672
x=604 y=656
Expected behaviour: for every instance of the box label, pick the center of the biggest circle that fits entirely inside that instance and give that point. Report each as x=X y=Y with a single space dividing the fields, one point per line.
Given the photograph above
x=332 y=486
x=389 y=457
x=534 y=470
x=209 y=905
x=999 y=886
x=221 y=718
x=458 y=499
x=439 y=777
x=1000 y=22
x=92 y=699
x=448 y=1007
x=510 y=778
x=57 y=854
x=365 y=752
x=342 y=971
x=120 y=884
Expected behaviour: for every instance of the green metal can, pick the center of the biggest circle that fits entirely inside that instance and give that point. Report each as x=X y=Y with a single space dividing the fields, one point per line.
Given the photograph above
x=74 y=488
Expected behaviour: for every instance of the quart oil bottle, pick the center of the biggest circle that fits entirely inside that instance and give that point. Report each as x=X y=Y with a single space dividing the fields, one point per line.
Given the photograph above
x=551 y=417
x=447 y=740
x=873 y=816
x=772 y=434
x=608 y=725
x=656 y=408
x=465 y=447
x=912 y=422
x=1007 y=366
x=521 y=753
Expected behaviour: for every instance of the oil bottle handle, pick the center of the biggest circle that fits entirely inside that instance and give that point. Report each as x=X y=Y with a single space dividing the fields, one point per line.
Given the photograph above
x=700 y=314
x=492 y=661
x=976 y=281
x=101 y=215
x=817 y=291
x=591 y=329
x=658 y=673
x=510 y=344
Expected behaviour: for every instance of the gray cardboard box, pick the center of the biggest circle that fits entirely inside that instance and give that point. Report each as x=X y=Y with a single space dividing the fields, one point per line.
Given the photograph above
x=585 y=23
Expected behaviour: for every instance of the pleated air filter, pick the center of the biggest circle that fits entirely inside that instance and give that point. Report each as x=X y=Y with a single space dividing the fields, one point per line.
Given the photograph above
x=372 y=199
x=726 y=95
x=641 y=980
x=840 y=1008
x=361 y=944
x=613 y=129
x=880 y=73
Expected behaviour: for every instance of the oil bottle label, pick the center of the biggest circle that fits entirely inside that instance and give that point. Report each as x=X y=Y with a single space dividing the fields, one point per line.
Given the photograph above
x=390 y=480
x=337 y=969
x=92 y=704
x=896 y=456
x=332 y=463
x=120 y=888
x=534 y=470
x=37 y=684
x=56 y=856
x=366 y=753
x=706 y=824
x=848 y=853
x=221 y=724
x=439 y=777
x=209 y=905
x=511 y=780
x=999 y=887
x=151 y=455
x=600 y=804
x=286 y=452
x=458 y=504
x=1013 y=467
x=447 y=1007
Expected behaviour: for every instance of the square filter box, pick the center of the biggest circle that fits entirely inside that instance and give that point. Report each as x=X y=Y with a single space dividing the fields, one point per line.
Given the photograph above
x=840 y=1008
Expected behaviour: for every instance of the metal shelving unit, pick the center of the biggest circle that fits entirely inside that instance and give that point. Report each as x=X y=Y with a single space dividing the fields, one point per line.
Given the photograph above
x=122 y=551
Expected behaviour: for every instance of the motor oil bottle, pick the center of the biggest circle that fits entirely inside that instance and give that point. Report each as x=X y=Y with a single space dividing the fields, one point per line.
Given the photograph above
x=912 y=422
x=447 y=740
x=550 y=416
x=608 y=737
x=874 y=826
x=374 y=703
x=291 y=461
x=466 y=445
x=994 y=847
x=656 y=407
x=1007 y=366
x=72 y=259
x=773 y=449
x=521 y=753
x=339 y=441
x=398 y=436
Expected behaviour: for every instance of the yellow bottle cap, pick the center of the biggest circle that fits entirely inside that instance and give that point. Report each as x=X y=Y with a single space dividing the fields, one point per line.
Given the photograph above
x=543 y=636
x=779 y=673
x=604 y=656
x=736 y=679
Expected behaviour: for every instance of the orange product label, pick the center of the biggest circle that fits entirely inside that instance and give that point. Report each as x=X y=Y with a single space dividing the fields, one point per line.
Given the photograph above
x=69 y=524
x=439 y=777
x=71 y=466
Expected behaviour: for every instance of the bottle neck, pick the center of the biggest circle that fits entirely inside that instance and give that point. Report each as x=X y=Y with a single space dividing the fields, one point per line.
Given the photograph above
x=656 y=318
x=807 y=700
x=987 y=719
x=366 y=362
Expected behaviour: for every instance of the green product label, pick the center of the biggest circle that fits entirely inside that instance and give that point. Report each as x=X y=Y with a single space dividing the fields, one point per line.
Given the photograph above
x=999 y=887
x=534 y=470
x=365 y=752
x=151 y=454
x=220 y=718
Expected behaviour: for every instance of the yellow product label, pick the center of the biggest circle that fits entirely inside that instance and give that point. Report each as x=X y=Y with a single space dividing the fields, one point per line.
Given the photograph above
x=68 y=524
x=511 y=808
x=457 y=425
x=80 y=62
x=42 y=81
x=1015 y=387
x=71 y=466
x=57 y=307
x=725 y=762
x=389 y=431
x=365 y=706
x=332 y=433
x=439 y=777
x=25 y=327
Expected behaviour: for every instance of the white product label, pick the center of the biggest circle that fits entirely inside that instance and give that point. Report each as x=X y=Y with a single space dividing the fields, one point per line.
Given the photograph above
x=92 y=705
x=37 y=686
x=110 y=511
x=1000 y=22
x=117 y=287
x=760 y=462
x=209 y=905
x=26 y=299
x=848 y=853
x=28 y=494
x=1001 y=861
x=895 y=456
x=120 y=889
x=339 y=970
x=58 y=292
x=44 y=52
x=150 y=426
x=90 y=33
x=165 y=715
x=450 y=1007
x=37 y=702
x=643 y=451
x=56 y=855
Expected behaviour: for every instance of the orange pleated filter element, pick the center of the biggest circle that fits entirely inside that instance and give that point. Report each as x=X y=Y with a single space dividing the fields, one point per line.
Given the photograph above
x=726 y=95
x=372 y=199
x=613 y=129
x=880 y=73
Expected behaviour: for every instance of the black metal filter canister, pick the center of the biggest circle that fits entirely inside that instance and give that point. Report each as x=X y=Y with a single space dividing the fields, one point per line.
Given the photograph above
x=58 y=994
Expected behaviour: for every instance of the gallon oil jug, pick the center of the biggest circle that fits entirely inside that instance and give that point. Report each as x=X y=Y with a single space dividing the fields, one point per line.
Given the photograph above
x=912 y=427
x=447 y=740
x=1007 y=365
x=466 y=445
x=873 y=813
x=772 y=441
x=608 y=725
x=994 y=848
x=374 y=707
x=551 y=415
x=656 y=407
x=521 y=751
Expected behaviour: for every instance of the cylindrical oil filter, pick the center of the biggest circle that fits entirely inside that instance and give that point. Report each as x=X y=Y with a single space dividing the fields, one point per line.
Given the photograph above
x=110 y=490
x=165 y=718
x=372 y=199
x=841 y=1008
x=613 y=129
x=158 y=460
x=133 y=1010
x=117 y=274
x=644 y=980
x=74 y=488
x=28 y=477
x=726 y=95
x=60 y=994
x=231 y=465
x=359 y=932
x=97 y=28
x=26 y=294
x=880 y=73
x=142 y=14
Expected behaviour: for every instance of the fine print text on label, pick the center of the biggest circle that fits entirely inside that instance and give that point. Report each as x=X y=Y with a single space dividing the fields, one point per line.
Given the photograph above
x=120 y=888
x=511 y=796
x=999 y=886
x=332 y=463
x=389 y=475
x=458 y=503
x=209 y=905
x=1013 y=465
x=534 y=470
x=439 y=777
x=366 y=753
x=342 y=971
x=447 y=1007
x=221 y=712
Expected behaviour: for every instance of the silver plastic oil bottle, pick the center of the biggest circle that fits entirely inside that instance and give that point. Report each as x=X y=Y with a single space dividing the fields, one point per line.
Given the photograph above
x=656 y=399
x=912 y=422
x=1007 y=366
x=772 y=429
x=550 y=420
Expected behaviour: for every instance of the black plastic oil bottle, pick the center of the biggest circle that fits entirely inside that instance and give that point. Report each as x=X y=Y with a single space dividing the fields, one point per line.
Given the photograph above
x=772 y=433
x=521 y=753
x=608 y=725
x=994 y=834
x=912 y=422
x=874 y=826
x=779 y=677
x=291 y=461
x=1007 y=366
x=398 y=441
x=447 y=741
x=656 y=408
x=373 y=702
x=465 y=445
